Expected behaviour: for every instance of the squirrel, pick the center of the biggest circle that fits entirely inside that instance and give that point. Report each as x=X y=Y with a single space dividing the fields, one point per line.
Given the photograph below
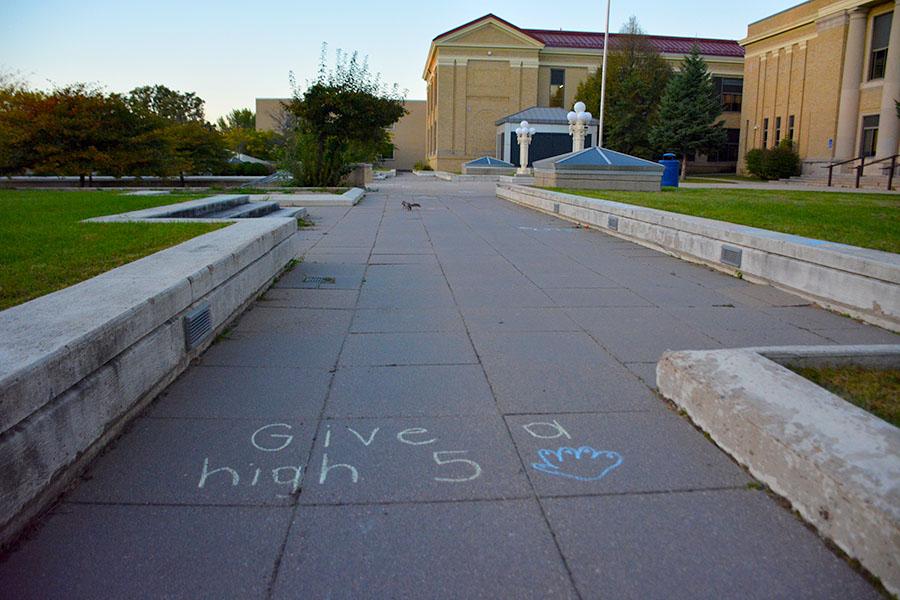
x=410 y=205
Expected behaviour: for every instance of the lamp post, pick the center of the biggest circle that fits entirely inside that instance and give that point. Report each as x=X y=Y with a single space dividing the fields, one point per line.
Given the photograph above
x=579 y=119
x=523 y=133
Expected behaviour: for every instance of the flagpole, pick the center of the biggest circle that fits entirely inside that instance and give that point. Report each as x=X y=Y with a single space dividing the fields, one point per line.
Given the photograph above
x=603 y=78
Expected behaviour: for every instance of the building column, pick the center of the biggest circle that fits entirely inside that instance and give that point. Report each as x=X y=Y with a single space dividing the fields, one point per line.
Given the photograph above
x=848 y=113
x=888 y=121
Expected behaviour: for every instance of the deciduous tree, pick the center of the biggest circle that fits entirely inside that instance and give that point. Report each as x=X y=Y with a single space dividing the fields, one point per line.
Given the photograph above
x=636 y=78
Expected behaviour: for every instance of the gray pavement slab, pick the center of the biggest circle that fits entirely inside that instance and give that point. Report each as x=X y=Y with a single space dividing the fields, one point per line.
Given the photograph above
x=637 y=334
x=304 y=275
x=521 y=296
x=207 y=392
x=709 y=544
x=595 y=297
x=548 y=372
x=268 y=349
x=101 y=551
x=387 y=320
x=413 y=459
x=390 y=297
x=299 y=298
x=610 y=454
x=424 y=390
x=200 y=462
x=428 y=348
x=518 y=319
x=303 y=321
x=448 y=550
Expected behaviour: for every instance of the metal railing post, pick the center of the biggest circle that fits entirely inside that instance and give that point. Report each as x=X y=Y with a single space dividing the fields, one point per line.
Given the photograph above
x=891 y=174
x=859 y=169
x=830 y=171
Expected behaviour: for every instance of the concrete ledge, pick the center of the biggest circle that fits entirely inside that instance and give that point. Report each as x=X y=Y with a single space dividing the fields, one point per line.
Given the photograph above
x=838 y=465
x=349 y=198
x=864 y=283
x=77 y=363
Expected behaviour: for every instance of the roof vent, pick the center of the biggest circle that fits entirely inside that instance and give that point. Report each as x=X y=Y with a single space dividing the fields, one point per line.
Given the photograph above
x=197 y=326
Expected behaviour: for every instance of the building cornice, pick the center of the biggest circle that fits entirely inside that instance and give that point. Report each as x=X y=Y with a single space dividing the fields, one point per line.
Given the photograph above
x=830 y=11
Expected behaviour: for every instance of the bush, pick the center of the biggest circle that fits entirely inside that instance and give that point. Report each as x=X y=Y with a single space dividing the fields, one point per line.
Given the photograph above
x=244 y=169
x=774 y=163
x=422 y=166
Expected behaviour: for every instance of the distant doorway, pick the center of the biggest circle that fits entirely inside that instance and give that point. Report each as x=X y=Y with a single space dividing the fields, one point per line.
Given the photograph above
x=869 y=138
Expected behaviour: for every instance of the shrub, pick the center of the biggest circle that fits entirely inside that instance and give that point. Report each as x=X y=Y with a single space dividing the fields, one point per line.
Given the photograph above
x=774 y=163
x=422 y=166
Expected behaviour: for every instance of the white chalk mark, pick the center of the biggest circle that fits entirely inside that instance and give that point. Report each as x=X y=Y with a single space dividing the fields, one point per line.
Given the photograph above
x=361 y=438
x=326 y=468
x=294 y=481
x=401 y=437
x=472 y=463
x=255 y=475
x=235 y=478
x=273 y=436
x=327 y=436
x=558 y=430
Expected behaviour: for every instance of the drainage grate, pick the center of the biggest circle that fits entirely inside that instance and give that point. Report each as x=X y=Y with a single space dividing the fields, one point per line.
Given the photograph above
x=556 y=207
x=318 y=280
x=731 y=256
x=197 y=326
x=612 y=222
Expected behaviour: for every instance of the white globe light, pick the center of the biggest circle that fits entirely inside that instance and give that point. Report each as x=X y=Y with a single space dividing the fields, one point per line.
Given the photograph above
x=571 y=116
x=531 y=131
x=523 y=124
x=587 y=117
x=579 y=107
x=518 y=131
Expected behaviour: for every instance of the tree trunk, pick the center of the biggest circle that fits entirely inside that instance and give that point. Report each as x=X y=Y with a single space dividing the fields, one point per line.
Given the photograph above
x=81 y=181
x=181 y=178
x=683 y=167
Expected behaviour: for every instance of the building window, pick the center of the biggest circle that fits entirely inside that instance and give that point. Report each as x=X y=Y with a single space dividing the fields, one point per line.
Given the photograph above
x=765 y=140
x=881 y=33
x=730 y=91
x=777 y=130
x=791 y=128
x=558 y=87
x=869 y=138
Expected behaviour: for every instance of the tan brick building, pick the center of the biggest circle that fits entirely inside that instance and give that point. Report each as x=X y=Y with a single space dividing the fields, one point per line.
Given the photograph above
x=488 y=68
x=824 y=73
x=407 y=134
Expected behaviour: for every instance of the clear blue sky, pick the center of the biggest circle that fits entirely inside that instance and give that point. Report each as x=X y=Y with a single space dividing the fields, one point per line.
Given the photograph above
x=232 y=52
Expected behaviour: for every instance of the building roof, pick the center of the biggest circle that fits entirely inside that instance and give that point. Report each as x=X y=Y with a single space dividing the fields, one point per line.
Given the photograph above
x=596 y=158
x=490 y=161
x=539 y=114
x=591 y=40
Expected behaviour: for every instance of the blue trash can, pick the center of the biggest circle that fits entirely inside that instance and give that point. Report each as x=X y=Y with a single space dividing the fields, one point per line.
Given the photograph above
x=673 y=169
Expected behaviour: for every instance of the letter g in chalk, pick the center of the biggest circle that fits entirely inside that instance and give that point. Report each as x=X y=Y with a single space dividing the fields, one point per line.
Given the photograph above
x=269 y=443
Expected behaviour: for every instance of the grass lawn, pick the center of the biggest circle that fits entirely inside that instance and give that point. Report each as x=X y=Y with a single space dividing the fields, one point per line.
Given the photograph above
x=874 y=390
x=867 y=220
x=44 y=247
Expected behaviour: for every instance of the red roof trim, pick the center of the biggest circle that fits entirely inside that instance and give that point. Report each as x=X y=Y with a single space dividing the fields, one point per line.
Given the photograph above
x=479 y=19
x=556 y=38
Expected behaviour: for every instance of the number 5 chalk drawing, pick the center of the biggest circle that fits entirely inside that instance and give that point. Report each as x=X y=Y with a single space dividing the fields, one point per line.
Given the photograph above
x=583 y=463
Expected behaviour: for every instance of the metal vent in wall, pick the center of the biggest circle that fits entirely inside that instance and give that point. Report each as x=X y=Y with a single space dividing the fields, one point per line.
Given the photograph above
x=731 y=256
x=556 y=208
x=197 y=325
x=612 y=222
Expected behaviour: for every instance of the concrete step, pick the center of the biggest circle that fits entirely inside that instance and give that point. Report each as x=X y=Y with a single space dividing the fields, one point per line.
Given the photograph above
x=247 y=211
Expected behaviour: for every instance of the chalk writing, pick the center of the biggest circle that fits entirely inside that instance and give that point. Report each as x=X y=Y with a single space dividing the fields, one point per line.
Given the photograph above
x=546 y=431
x=326 y=468
x=272 y=436
x=583 y=463
x=476 y=468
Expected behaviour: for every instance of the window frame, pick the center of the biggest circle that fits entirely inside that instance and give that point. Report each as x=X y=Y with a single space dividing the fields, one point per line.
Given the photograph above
x=878 y=55
x=557 y=95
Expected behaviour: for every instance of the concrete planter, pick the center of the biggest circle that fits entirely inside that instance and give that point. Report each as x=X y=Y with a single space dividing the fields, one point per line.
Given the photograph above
x=77 y=364
x=838 y=465
x=864 y=283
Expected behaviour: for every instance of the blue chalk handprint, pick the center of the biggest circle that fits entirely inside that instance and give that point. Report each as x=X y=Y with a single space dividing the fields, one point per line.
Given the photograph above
x=583 y=463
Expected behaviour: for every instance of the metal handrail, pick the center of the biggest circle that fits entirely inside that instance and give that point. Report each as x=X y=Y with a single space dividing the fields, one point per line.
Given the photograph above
x=862 y=165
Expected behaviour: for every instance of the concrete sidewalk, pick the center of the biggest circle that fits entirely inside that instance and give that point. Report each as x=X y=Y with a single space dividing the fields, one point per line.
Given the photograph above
x=451 y=402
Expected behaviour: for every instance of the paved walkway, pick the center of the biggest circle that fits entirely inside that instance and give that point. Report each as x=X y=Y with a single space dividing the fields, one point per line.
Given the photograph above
x=397 y=433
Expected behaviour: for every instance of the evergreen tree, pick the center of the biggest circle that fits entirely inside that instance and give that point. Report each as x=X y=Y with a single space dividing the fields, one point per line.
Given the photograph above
x=689 y=112
x=636 y=79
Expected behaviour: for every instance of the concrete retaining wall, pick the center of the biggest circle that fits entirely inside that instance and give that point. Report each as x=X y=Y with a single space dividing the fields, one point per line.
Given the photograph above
x=838 y=465
x=76 y=364
x=864 y=283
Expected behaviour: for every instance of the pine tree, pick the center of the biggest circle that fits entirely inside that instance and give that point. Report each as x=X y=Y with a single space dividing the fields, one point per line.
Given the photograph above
x=689 y=112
